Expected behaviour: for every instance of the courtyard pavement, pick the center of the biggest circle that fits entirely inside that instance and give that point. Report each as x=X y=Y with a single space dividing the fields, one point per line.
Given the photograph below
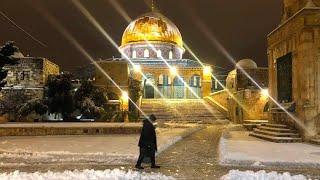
x=23 y=152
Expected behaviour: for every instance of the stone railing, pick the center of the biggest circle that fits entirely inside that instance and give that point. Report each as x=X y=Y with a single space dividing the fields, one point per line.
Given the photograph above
x=219 y=100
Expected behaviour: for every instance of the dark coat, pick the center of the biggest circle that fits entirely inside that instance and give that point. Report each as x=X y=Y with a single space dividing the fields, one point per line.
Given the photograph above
x=148 y=138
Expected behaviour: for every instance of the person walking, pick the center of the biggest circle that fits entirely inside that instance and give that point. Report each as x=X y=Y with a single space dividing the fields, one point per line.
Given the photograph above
x=148 y=142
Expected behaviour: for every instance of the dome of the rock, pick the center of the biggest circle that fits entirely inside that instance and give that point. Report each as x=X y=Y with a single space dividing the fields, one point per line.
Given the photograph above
x=152 y=27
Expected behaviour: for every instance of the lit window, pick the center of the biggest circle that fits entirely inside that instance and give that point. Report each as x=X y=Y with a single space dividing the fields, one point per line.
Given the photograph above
x=159 y=53
x=146 y=53
x=170 y=55
x=134 y=54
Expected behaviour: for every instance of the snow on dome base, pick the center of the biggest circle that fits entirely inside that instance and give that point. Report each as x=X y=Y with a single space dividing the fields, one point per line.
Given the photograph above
x=247 y=64
x=84 y=175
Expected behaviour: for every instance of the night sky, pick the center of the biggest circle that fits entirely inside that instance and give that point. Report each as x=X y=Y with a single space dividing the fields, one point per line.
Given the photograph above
x=241 y=26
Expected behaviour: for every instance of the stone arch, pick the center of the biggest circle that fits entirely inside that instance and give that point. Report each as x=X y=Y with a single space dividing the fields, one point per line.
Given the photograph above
x=178 y=88
x=164 y=85
x=148 y=82
x=194 y=90
x=178 y=81
x=164 y=80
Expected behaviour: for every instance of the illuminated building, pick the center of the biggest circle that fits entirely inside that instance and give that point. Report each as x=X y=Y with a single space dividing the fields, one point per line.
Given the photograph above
x=293 y=52
x=154 y=44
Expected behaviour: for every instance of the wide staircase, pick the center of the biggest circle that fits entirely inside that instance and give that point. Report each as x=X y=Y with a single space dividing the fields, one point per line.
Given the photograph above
x=278 y=133
x=184 y=111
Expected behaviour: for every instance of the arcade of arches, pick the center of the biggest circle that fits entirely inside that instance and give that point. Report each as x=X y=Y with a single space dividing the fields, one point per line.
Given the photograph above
x=187 y=84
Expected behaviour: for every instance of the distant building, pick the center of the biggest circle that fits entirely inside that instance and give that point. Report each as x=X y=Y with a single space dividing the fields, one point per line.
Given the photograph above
x=30 y=75
x=153 y=45
x=237 y=80
x=249 y=102
x=243 y=100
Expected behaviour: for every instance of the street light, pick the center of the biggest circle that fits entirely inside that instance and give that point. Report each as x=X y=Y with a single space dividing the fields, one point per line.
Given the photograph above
x=125 y=101
x=265 y=92
x=207 y=70
x=137 y=68
x=173 y=71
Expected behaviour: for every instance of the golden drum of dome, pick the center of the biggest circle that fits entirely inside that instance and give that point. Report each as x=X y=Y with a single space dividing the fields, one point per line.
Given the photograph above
x=152 y=27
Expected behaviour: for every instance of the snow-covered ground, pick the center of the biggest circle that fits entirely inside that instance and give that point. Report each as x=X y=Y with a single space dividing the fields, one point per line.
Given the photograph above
x=106 y=149
x=260 y=175
x=238 y=148
x=115 y=174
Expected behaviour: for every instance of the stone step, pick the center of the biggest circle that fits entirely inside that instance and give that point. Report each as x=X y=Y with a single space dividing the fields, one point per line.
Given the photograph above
x=275 y=125
x=276 y=139
x=276 y=134
x=285 y=130
x=181 y=110
x=255 y=121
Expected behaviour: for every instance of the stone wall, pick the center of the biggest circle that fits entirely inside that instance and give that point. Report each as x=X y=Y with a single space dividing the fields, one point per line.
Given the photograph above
x=30 y=72
x=248 y=105
x=119 y=73
x=291 y=7
x=221 y=98
x=241 y=105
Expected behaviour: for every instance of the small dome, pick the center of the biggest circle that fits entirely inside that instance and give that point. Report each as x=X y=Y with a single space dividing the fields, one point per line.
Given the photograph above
x=153 y=27
x=247 y=64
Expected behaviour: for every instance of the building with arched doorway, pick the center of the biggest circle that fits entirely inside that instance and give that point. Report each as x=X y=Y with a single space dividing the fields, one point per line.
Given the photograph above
x=152 y=49
x=154 y=46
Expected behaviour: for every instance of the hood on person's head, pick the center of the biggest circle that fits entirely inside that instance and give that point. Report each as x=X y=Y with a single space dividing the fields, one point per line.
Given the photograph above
x=152 y=118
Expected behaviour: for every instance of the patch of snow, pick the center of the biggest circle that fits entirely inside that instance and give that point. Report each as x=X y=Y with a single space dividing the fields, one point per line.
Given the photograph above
x=115 y=174
x=237 y=148
x=257 y=163
x=260 y=175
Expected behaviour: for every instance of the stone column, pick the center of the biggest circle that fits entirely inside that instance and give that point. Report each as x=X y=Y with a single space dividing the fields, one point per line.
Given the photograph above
x=206 y=84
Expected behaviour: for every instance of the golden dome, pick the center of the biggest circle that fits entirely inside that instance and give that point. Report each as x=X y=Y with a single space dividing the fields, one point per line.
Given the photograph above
x=153 y=27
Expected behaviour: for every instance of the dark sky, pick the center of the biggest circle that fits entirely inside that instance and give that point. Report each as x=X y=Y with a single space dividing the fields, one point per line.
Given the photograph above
x=241 y=26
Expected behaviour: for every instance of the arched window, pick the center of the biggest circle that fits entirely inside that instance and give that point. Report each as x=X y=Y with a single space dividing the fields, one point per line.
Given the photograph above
x=178 y=81
x=170 y=55
x=159 y=53
x=266 y=107
x=134 y=54
x=146 y=53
